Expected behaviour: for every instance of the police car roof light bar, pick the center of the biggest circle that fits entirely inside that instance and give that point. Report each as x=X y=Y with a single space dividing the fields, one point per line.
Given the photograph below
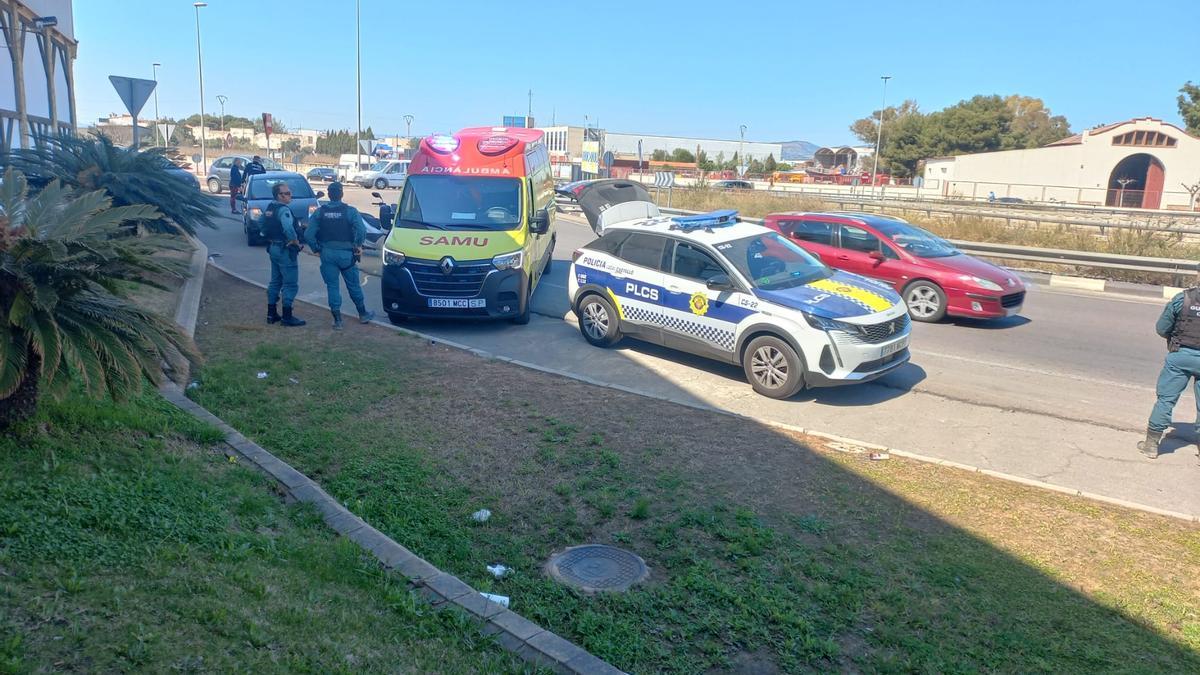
x=707 y=221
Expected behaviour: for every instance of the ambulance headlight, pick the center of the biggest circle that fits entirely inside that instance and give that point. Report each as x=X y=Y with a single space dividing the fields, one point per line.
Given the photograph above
x=392 y=257
x=509 y=261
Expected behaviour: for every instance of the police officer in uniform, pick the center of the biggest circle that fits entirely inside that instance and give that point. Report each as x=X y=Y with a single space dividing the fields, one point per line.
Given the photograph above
x=278 y=226
x=336 y=231
x=1180 y=325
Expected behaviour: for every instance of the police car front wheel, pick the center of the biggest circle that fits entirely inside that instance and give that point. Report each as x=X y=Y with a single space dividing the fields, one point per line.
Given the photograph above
x=773 y=368
x=598 y=321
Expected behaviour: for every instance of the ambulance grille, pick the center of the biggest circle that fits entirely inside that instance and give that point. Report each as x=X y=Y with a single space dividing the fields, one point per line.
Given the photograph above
x=464 y=282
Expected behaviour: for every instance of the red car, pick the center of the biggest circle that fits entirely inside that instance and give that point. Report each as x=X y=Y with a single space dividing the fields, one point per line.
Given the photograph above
x=933 y=277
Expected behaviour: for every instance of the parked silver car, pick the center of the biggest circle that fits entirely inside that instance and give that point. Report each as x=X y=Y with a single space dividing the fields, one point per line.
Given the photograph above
x=218 y=171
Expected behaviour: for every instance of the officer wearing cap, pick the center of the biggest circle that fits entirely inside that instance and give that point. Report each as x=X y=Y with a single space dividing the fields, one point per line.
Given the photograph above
x=336 y=231
x=278 y=227
x=1180 y=325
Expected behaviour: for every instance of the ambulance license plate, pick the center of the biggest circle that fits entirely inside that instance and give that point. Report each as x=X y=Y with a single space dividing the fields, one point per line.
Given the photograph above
x=888 y=350
x=457 y=303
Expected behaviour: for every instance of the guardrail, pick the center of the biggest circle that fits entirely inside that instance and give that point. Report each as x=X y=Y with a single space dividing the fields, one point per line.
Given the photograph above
x=1179 y=267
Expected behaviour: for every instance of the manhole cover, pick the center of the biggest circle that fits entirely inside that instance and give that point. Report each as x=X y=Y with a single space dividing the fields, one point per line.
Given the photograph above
x=593 y=567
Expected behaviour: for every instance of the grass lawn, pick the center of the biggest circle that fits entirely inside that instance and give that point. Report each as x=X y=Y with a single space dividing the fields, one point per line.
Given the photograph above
x=768 y=552
x=130 y=542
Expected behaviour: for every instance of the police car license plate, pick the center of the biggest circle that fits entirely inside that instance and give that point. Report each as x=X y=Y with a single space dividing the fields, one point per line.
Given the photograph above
x=457 y=303
x=888 y=350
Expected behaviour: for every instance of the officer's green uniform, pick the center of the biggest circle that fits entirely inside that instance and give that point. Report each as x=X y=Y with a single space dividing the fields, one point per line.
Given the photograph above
x=1180 y=325
x=278 y=227
x=336 y=231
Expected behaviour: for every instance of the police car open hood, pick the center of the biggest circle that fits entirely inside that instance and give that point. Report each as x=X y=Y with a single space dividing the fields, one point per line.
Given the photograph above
x=838 y=296
x=610 y=200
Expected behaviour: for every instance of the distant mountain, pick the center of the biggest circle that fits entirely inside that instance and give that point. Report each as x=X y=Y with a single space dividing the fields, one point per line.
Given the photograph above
x=796 y=151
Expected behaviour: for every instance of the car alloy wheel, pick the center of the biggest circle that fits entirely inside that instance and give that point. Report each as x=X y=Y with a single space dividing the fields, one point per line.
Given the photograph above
x=596 y=320
x=925 y=301
x=214 y=186
x=380 y=184
x=769 y=367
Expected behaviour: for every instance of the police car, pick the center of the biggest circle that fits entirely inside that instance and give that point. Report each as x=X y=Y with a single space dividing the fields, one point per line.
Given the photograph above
x=735 y=292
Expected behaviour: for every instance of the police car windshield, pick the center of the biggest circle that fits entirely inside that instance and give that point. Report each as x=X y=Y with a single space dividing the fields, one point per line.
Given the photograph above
x=260 y=187
x=771 y=262
x=917 y=241
x=460 y=203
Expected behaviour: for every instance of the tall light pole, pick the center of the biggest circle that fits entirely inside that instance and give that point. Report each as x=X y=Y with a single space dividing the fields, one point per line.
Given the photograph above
x=221 y=99
x=879 y=136
x=200 y=70
x=358 y=52
x=154 y=67
x=408 y=120
x=742 y=151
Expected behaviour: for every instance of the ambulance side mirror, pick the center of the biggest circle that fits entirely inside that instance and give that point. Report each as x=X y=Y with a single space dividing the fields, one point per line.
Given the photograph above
x=541 y=222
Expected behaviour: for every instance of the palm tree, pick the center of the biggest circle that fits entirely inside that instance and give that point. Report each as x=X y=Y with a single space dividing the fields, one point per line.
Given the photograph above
x=64 y=319
x=129 y=177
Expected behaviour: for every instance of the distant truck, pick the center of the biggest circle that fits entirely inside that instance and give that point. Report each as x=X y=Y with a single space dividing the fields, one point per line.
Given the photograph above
x=350 y=164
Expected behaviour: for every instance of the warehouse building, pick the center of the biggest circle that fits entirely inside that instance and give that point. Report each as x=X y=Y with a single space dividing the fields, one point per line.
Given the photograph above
x=1141 y=163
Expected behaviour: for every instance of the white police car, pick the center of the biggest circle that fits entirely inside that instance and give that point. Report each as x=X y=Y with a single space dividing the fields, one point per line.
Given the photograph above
x=734 y=292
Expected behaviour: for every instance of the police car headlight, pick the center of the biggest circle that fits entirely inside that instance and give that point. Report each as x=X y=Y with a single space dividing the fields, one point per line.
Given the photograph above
x=392 y=257
x=822 y=323
x=509 y=261
x=255 y=213
x=982 y=283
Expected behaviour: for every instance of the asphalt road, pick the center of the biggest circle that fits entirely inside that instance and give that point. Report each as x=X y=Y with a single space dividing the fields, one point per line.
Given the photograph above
x=1058 y=394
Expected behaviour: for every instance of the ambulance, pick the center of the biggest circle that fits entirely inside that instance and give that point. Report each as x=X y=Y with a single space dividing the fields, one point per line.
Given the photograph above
x=474 y=228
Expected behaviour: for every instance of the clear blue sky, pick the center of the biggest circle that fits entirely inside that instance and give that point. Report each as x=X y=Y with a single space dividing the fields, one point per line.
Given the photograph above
x=788 y=70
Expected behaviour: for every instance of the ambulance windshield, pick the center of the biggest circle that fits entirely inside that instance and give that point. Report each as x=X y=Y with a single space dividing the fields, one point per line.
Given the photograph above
x=460 y=203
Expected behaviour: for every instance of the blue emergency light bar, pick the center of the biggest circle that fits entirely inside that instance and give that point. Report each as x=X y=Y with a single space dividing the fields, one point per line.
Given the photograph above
x=706 y=221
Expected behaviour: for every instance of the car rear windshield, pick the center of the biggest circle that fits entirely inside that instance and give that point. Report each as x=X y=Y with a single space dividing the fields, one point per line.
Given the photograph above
x=460 y=203
x=261 y=186
x=771 y=262
x=917 y=241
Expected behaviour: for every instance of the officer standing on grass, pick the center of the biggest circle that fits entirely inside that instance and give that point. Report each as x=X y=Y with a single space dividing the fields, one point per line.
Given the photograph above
x=336 y=231
x=278 y=227
x=1180 y=325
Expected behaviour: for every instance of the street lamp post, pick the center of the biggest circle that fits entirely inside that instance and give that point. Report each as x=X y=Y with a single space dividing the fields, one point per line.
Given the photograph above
x=742 y=151
x=408 y=120
x=358 y=56
x=221 y=99
x=879 y=135
x=200 y=70
x=154 y=67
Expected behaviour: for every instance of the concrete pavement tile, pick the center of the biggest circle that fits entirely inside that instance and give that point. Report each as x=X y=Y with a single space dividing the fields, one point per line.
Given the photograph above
x=590 y=664
x=561 y=651
x=509 y=621
x=477 y=605
x=415 y=568
x=448 y=586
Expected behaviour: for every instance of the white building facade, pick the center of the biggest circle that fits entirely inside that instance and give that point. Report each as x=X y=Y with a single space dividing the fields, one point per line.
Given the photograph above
x=1140 y=163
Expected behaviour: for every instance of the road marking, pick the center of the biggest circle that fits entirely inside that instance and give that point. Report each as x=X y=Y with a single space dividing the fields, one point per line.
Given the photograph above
x=1034 y=371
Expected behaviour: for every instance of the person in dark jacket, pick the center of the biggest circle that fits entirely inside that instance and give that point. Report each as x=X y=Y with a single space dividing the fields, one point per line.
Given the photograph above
x=235 y=184
x=336 y=231
x=1180 y=325
x=254 y=168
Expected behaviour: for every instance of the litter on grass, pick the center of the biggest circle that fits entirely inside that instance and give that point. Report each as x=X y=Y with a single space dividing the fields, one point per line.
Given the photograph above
x=262 y=374
x=481 y=516
x=501 y=600
x=498 y=570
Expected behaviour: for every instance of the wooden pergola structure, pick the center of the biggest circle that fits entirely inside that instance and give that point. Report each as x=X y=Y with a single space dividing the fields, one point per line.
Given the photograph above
x=18 y=128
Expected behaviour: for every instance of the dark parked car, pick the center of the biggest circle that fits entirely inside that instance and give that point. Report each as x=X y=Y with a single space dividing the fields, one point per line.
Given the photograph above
x=184 y=175
x=322 y=173
x=733 y=185
x=218 y=171
x=258 y=195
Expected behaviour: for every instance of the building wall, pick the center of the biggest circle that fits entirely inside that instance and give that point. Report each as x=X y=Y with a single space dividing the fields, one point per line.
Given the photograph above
x=626 y=144
x=1077 y=173
x=33 y=96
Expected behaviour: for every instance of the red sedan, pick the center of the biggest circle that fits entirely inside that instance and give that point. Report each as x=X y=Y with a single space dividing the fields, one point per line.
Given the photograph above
x=933 y=277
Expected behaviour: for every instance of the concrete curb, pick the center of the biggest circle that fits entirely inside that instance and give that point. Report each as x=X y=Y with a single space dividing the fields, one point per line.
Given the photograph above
x=1189 y=517
x=512 y=631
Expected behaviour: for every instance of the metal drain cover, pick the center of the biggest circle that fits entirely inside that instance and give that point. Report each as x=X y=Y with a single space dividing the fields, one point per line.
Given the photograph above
x=593 y=567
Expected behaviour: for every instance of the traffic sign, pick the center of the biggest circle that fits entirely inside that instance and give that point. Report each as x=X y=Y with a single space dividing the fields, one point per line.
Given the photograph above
x=367 y=146
x=134 y=93
x=165 y=131
x=664 y=179
x=268 y=124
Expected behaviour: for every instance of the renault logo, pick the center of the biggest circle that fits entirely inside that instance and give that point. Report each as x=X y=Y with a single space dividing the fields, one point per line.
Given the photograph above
x=447 y=265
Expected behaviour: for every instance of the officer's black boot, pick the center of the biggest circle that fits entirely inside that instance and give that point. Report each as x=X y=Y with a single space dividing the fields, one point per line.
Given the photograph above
x=289 y=320
x=365 y=315
x=1149 y=447
x=272 y=313
x=337 y=319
